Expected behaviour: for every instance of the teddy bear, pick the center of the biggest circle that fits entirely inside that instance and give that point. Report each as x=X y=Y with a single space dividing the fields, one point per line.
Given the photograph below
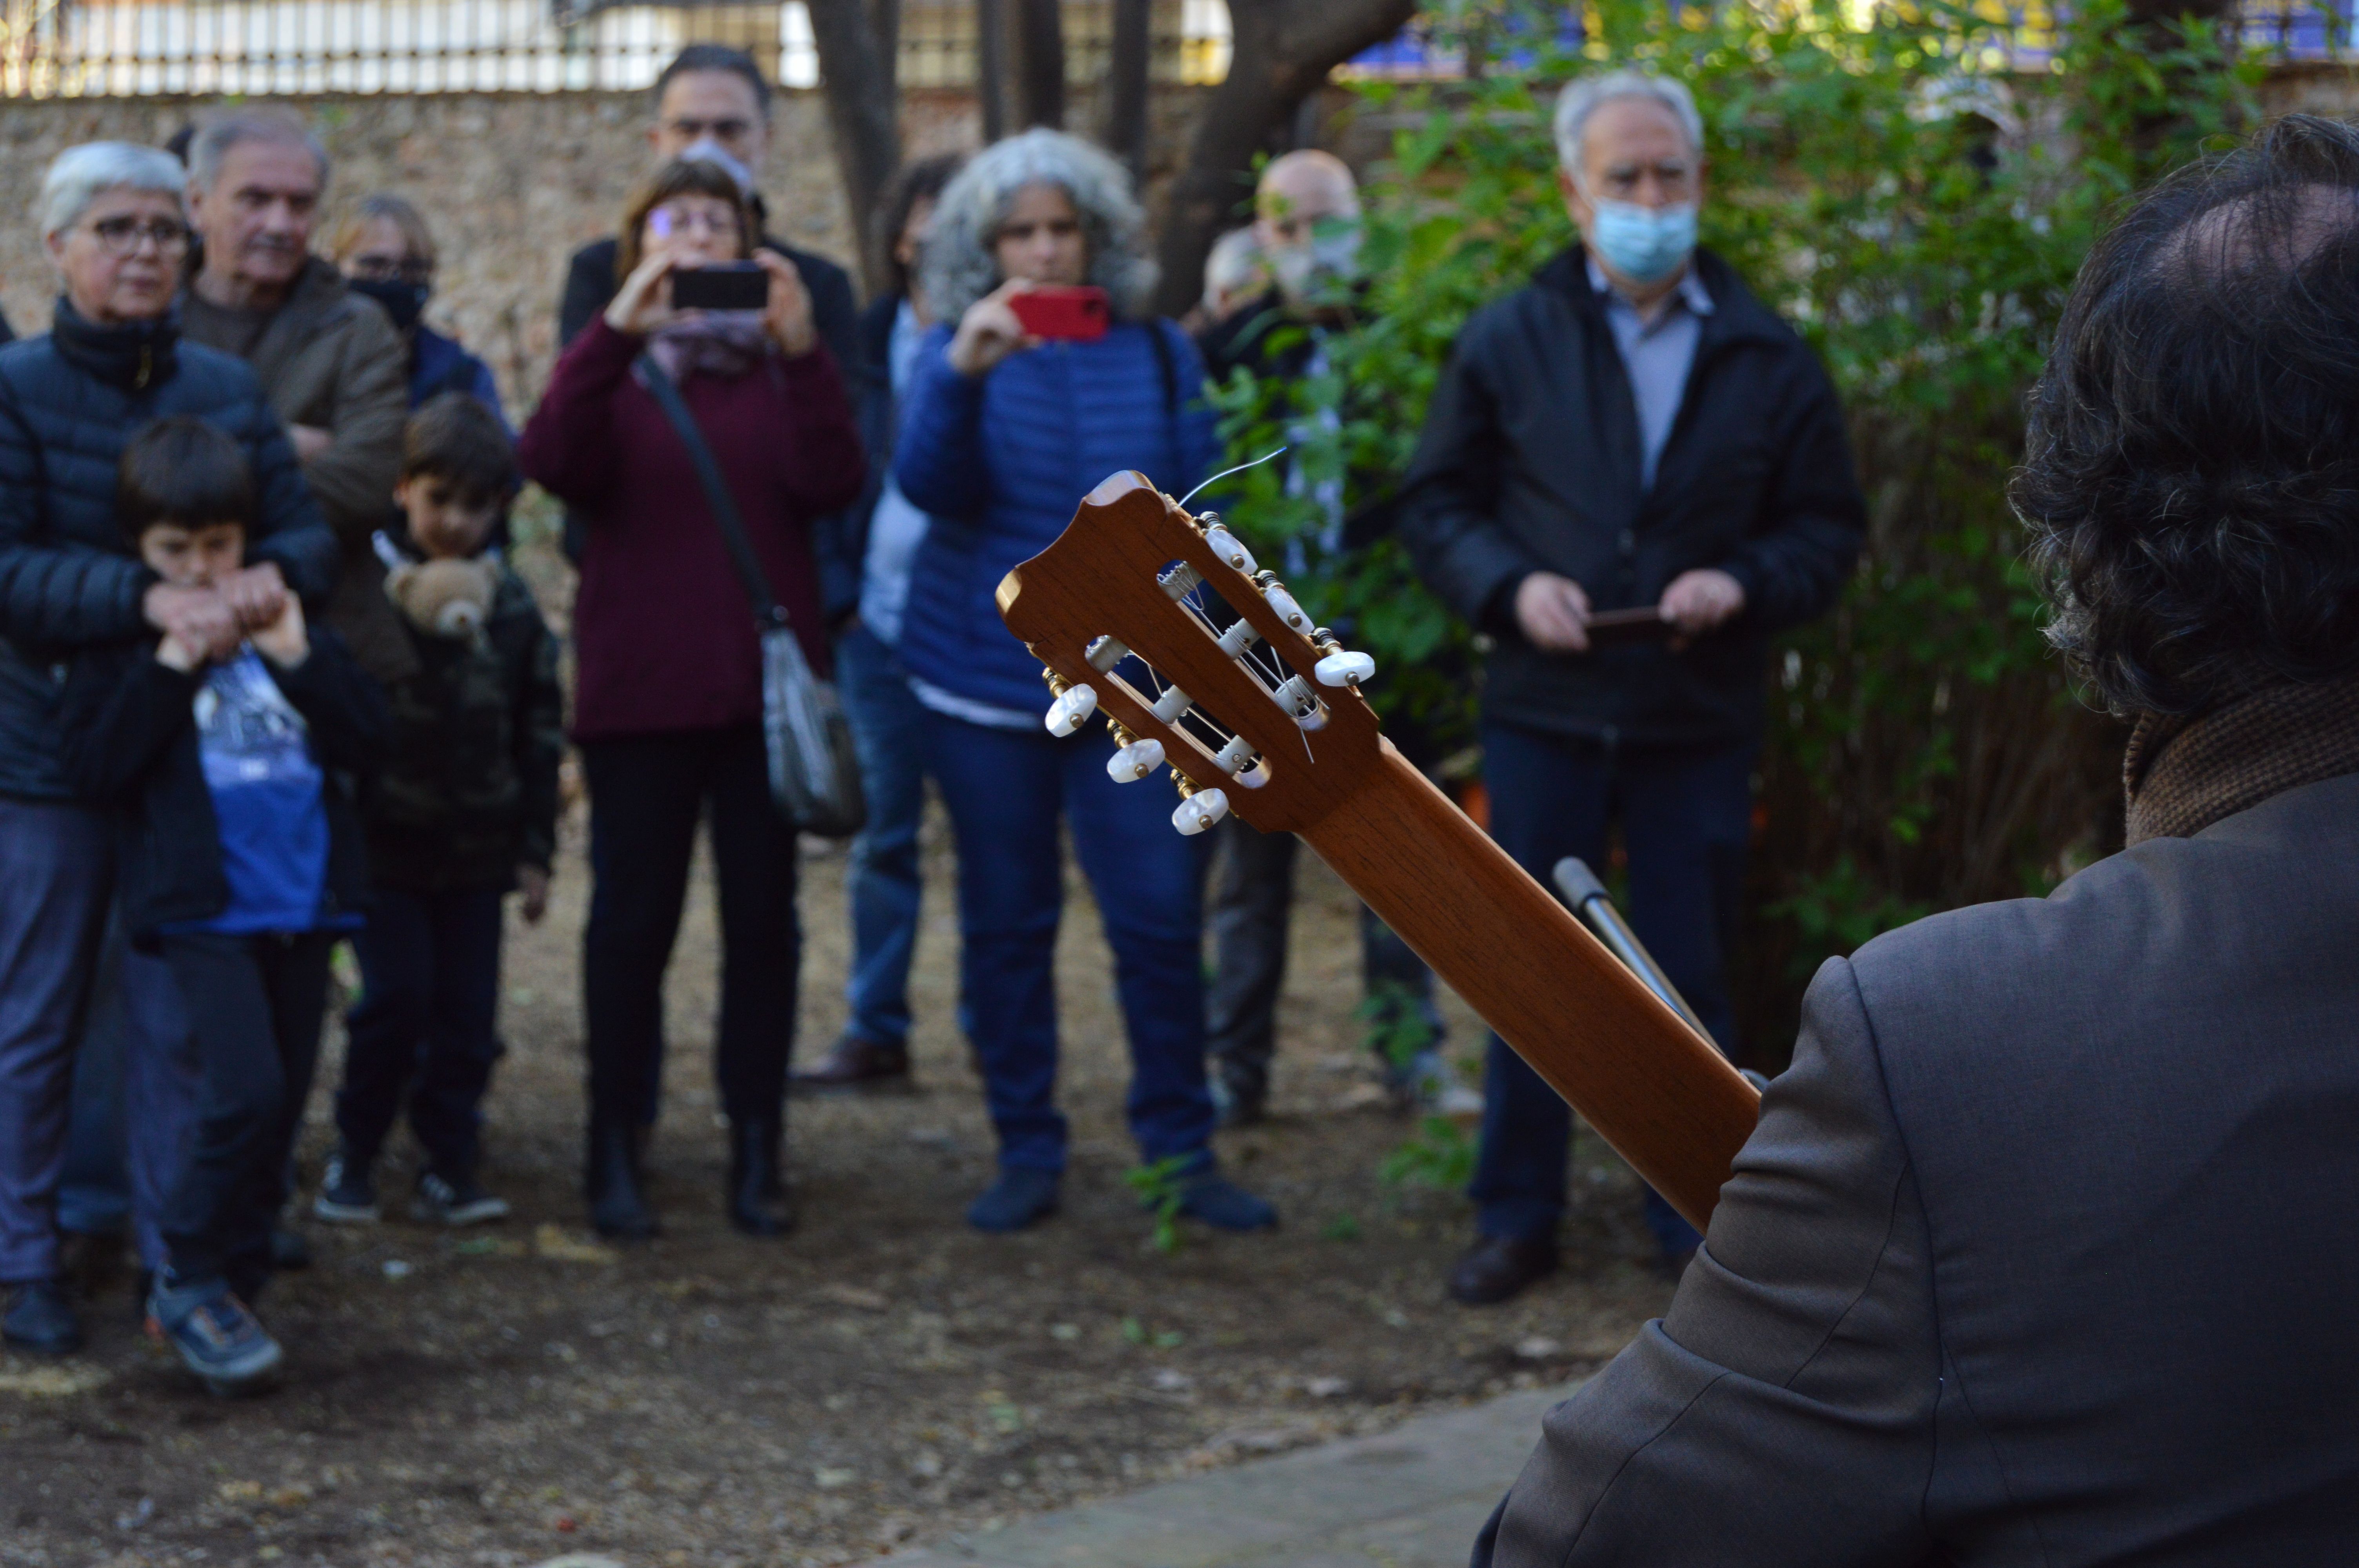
x=444 y=598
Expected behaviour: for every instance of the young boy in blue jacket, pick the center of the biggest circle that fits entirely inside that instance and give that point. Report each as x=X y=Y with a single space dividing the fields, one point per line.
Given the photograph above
x=238 y=857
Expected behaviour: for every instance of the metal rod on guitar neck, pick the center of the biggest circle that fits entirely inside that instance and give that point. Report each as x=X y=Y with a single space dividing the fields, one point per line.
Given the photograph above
x=1589 y=901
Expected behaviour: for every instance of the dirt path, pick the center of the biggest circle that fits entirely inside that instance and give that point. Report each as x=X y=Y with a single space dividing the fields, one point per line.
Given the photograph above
x=884 y=1374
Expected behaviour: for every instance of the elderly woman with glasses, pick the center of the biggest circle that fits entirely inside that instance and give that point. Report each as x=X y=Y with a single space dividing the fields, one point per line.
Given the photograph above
x=1002 y=435
x=386 y=252
x=668 y=697
x=111 y=221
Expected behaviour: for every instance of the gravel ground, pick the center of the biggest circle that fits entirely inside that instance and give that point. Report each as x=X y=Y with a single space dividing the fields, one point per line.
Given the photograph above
x=884 y=1376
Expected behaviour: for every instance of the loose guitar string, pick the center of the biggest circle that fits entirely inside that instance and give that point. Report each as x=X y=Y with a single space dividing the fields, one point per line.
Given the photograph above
x=1226 y=472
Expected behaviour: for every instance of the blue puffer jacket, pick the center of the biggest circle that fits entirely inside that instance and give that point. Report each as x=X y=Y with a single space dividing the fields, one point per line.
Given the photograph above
x=68 y=403
x=1001 y=461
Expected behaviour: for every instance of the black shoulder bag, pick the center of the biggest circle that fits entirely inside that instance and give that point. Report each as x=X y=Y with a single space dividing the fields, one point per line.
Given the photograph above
x=814 y=768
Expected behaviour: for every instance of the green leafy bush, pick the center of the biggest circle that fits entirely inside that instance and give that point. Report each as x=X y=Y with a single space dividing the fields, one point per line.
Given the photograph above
x=1914 y=188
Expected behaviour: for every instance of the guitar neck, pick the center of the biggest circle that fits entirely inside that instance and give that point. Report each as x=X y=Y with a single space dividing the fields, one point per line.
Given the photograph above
x=1654 y=1088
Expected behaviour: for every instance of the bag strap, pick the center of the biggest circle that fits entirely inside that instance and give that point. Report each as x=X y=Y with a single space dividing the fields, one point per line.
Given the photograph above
x=1164 y=360
x=767 y=612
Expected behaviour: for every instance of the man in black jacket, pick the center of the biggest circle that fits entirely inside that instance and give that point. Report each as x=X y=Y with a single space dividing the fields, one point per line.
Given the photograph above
x=1632 y=429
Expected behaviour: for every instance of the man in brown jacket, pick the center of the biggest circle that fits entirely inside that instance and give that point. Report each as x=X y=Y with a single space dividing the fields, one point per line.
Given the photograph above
x=2043 y=1250
x=331 y=362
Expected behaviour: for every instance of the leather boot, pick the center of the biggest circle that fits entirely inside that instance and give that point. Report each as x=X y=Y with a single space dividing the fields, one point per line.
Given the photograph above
x=758 y=1204
x=618 y=1208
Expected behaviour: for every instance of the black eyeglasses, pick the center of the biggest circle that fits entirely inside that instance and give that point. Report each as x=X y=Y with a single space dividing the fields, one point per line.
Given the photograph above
x=379 y=269
x=120 y=235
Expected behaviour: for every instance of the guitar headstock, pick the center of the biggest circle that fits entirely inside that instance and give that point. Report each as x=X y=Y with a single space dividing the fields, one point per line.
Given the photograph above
x=1246 y=714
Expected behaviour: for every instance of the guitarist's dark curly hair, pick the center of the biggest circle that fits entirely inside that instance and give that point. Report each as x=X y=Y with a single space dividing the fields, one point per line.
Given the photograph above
x=2191 y=484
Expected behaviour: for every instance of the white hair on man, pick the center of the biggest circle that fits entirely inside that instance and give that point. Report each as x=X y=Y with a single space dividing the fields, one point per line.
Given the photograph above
x=1585 y=97
x=281 y=127
x=1235 y=264
x=78 y=175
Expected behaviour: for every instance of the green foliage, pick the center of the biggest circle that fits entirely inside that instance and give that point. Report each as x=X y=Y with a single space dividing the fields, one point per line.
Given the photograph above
x=1342 y=1227
x=1918 y=207
x=1441 y=1156
x=1159 y=1187
x=1398 y=1028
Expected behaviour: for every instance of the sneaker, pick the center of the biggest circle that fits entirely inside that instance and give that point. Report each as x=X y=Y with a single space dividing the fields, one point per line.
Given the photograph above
x=1427 y=1086
x=1224 y=1205
x=1021 y=1196
x=443 y=1200
x=217 y=1337
x=347 y=1193
x=1235 y=1104
x=40 y=1319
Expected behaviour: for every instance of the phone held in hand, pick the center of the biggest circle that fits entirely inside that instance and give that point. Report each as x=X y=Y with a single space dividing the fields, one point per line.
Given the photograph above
x=731 y=286
x=1629 y=628
x=1074 y=315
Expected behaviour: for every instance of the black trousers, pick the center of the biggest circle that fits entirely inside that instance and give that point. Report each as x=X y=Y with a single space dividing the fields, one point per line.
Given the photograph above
x=254 y=1006
x=645 y=795
x=1253 y=895
x=425 y=1025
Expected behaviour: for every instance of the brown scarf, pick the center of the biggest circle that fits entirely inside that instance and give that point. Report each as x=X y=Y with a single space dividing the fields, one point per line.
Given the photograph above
x=2183 y=775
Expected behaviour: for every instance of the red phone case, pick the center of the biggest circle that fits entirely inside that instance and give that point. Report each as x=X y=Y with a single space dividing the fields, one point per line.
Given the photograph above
x=1079 y=315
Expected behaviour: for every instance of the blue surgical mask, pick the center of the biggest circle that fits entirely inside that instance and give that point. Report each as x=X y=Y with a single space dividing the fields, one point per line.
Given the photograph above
x=704 y=149
x=1645 y=245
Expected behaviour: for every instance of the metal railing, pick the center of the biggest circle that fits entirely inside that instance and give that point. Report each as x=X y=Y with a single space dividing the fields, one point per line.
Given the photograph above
x=51 y=49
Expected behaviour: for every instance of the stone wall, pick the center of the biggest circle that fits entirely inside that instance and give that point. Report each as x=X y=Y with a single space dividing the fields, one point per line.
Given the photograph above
x=511 y=183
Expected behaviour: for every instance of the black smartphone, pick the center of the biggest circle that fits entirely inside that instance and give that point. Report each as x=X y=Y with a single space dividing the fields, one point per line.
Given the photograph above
x=732 y=285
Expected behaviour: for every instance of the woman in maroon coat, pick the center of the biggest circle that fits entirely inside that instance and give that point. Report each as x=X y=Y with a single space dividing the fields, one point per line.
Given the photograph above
x=668 y=704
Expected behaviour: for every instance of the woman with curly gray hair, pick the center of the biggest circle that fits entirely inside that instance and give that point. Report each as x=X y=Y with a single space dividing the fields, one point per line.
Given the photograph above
x=1002 y=435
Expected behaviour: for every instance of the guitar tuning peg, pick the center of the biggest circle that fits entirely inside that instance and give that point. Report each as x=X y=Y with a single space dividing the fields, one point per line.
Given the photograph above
x=1227 y=546
x=1198 y=810
x=1283 y=602
x=1134 y=761
x=1072 y=709
x=1057 y=683
x=1105 y=653
x=1341 y=668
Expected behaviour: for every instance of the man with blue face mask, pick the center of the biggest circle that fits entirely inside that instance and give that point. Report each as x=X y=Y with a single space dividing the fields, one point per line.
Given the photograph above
x=1631 y=430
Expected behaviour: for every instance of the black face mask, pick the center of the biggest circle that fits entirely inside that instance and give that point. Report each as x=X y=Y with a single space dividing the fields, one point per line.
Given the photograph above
x=405 y=302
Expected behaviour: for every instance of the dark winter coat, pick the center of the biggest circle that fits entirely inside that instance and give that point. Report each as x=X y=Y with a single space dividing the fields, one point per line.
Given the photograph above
x=663 y=634
x=68 y=400
x=131 y=749
x=1530 y=463
x=1001 y=460
x=468 y=792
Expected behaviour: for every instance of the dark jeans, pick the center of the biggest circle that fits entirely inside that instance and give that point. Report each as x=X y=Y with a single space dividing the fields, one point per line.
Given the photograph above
x=888 y=726
x=1006 y=791
x=1252 y=894
x=254 y=1006
x=424 y=1024
x=135 y=1099
x=56 y=876
x=646 y=794
x=1685 y=816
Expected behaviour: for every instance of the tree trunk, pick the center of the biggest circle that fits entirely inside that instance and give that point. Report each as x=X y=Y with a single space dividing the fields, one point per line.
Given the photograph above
x=991 y=66
x=1127 y=90
x=862 y=109
x=1281 y=51
x=885 y=21
x=1040 y=63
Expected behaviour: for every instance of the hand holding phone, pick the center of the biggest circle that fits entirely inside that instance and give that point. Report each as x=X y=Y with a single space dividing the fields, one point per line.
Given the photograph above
x=729 y=286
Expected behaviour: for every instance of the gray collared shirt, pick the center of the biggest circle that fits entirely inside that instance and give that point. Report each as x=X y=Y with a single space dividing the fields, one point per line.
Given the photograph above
x=1656 y=356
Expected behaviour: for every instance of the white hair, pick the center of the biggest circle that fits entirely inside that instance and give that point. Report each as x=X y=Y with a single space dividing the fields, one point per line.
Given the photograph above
x=1234 y=262
x=1585 y=97
x=960 y=267
x=281 y=127
x=79 y=174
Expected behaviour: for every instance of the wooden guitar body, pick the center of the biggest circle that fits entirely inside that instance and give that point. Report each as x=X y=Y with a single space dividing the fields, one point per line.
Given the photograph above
x=1652 y=1086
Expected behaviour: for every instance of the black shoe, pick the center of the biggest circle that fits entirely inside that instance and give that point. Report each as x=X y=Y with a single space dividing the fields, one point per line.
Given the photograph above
x=1498 y=1268
x=618 y=1209
x=855 y=1063
x=1236 y=1103
x=454 y=1201
x=347 y=1193
x=40 y=1319
x=1224 y=1205
x=1021 y=1196
x=757 y=1198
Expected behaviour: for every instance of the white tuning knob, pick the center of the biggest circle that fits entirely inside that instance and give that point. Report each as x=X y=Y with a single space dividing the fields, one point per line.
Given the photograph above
x=1288 y=610
x=1345 y=669
x=1068 y=711
x=1135 y=762
x=1225 y=545
x=1199 y=811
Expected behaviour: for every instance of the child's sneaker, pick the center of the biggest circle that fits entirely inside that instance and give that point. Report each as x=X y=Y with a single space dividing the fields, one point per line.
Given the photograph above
x=347 y=1193
x=217 y=1337
x=443 y=1201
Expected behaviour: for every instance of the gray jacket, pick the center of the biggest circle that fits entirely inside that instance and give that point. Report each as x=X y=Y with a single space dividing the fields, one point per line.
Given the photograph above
x=2047 y=1249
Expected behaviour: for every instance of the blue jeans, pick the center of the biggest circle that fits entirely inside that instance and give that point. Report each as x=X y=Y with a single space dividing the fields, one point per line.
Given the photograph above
x=424 y=1027
x=1006 y=790
x=888 y=726
x=1685 y=816
x=56 y=876
x=135 y=1087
